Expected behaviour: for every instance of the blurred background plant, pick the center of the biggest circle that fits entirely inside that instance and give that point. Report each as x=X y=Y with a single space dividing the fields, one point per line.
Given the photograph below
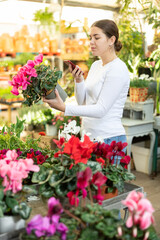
x=34 y=116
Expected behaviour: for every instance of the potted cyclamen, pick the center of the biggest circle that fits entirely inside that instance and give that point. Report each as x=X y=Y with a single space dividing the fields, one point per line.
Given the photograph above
x=91 y=221
x=12 y=173
x=74 y=155
x=36 y=80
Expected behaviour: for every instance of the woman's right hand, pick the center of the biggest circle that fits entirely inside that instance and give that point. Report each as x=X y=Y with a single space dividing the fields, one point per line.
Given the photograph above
x=77 y=73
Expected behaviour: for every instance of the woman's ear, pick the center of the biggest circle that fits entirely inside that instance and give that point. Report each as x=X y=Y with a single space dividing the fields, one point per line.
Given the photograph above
x=112 y=40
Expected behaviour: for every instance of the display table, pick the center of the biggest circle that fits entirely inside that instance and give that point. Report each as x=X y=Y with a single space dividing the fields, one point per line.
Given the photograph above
x=139 y=128
x=116 y=202
x=9 y=106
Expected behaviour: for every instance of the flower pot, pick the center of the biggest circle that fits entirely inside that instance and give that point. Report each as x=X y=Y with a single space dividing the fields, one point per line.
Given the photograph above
x=11 y=223
x=51 y=130
x=51 y=93
x=107 y=195
x=138 y=94
x=141 y=157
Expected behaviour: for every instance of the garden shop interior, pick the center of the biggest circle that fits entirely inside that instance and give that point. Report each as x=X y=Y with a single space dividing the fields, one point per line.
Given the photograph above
x=38 y=37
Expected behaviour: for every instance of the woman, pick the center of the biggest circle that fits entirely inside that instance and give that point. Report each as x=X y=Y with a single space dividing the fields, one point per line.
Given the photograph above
x=102 y=96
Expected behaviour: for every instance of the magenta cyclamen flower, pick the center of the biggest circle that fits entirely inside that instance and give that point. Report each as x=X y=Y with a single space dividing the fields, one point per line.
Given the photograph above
x=83 y=178
x=99 y=179
x=54 y=207
x=140 y=210
x=23 y=77
x=48 y=226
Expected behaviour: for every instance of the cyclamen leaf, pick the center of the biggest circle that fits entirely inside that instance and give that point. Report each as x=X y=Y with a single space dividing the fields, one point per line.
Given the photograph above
x=89 y=218
x=89 y=234
x=11 y=202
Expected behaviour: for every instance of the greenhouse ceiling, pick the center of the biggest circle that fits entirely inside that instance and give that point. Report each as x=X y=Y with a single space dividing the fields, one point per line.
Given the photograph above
x=102 y=4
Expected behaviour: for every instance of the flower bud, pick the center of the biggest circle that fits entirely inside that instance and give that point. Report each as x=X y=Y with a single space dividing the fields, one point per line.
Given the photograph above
x=134 y=233
x=119 y=230
x=146 y=236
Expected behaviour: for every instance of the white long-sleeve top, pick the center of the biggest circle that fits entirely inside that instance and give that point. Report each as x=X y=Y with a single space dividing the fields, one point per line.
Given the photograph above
x=101 y=98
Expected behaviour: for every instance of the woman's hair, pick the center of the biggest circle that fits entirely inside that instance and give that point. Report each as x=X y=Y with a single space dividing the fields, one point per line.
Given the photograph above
x=110 y=29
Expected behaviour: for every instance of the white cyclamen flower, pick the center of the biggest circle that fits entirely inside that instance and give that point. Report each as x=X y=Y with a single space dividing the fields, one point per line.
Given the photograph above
x=69 y=128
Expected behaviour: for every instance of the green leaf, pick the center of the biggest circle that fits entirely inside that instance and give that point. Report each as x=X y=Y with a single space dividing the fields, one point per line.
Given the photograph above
x=35 y=177
x=89 y=234
x=3 y=208
x=46 y=191
x=11 y=202
x=23 y=210
x=55 y=180
x=71 y=185
x=31 y=189
x=61 y=190
x=89 y=218
x=95 y=166
x=1 y=194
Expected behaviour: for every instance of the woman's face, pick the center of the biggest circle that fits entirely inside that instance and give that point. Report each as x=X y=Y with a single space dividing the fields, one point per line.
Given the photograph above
x=99 y=42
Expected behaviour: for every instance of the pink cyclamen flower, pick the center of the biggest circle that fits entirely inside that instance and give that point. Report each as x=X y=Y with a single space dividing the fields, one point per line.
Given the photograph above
x=99 y=179
x=62 y=229
x=140 y=210
x=83 y=178
x=38 y=59
x=54 y=207
x=14 y=170
x=146 y=220
x=34 y=223
x=73 y=198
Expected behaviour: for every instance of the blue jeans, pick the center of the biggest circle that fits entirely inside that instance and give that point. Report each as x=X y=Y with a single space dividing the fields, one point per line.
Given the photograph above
x=121 y=138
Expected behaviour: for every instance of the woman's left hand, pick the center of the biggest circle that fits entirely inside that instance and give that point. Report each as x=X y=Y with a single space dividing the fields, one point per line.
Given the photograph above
x=56 y=103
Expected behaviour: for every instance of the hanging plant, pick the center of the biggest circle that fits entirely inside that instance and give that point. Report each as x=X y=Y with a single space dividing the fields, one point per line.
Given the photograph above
x=45 y=17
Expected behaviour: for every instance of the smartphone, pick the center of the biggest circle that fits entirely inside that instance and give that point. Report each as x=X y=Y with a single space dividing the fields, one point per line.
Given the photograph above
x=72 y=64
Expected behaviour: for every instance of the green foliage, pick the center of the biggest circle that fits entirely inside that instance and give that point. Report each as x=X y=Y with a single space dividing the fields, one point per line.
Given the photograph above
x=139 y=83
x=132 y=42
x=49 y=115
x=46 y=80
x=23 y=58
x=5 y=93
x=10 y=204
x=117 y=176
x=10 y=136
x=95 y=222
x=45 y=17
x=33 y=114
x=56 y=179
x=152 y=15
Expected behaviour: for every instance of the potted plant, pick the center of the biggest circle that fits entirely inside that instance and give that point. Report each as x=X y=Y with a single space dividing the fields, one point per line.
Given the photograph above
x=51 y=129
x=92 y=221
x=36 y=80
x=12 y=172
x=58 y=177
x=139 y=88
x=45 y=19
x=61 y=121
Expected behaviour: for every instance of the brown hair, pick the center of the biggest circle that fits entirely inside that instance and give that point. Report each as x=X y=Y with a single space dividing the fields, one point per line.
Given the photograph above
x=110 y=29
